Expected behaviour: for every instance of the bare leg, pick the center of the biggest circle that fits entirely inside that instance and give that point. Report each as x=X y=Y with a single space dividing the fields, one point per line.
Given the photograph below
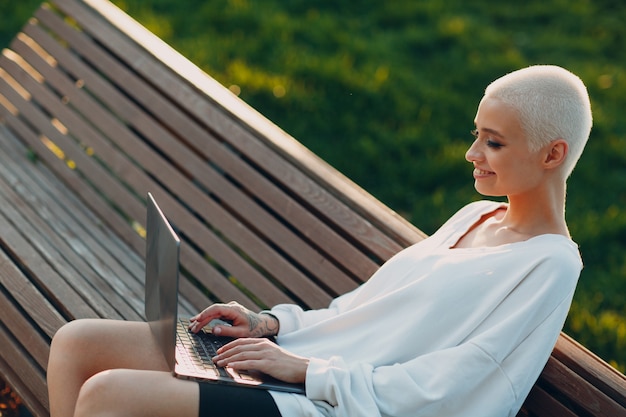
x=83 y=349
x=123 y=393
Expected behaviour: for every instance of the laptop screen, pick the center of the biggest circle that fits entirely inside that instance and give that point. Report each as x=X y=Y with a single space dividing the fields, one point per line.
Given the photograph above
x=161 y=286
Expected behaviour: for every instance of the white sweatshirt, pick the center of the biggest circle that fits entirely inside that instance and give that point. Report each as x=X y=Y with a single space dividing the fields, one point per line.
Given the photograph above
x=436 y=331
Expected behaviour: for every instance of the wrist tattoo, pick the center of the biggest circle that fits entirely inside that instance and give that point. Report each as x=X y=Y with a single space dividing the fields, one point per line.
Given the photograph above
x=263 y=324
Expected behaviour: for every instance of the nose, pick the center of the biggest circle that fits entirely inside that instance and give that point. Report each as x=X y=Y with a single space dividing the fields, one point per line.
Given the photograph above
x=473 y=154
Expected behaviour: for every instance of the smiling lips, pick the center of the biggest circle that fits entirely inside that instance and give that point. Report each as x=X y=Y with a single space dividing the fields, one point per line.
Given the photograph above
x=482 y=173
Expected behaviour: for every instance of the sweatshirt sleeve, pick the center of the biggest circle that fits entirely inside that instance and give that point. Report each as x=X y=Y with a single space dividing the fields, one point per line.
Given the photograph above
x=450 y=382
x=489 y=374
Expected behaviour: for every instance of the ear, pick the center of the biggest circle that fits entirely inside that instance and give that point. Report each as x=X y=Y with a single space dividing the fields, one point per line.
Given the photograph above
x=555 y=154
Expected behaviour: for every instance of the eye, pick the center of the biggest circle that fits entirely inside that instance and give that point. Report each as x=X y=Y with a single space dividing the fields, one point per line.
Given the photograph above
x=493 y=144
x=489 y=141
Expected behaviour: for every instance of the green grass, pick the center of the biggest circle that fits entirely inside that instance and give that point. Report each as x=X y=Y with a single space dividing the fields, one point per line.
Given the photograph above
x=386 y=92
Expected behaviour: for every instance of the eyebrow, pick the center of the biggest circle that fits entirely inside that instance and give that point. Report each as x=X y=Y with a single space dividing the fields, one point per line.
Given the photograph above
x=492 y=131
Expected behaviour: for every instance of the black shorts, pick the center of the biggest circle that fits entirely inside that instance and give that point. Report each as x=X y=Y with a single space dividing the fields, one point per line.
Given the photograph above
x=227 y=400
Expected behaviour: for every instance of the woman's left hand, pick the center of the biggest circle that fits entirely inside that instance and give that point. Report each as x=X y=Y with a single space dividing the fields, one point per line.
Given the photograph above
x=264 y=356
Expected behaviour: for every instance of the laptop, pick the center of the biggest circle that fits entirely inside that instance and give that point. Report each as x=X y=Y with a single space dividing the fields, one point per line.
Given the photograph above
x=188 y=355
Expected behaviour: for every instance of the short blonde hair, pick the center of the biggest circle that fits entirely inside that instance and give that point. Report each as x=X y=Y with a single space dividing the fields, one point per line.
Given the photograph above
x=552 y=103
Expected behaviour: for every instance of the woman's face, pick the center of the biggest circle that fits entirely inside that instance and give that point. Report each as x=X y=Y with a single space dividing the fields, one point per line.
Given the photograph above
x=503 y=163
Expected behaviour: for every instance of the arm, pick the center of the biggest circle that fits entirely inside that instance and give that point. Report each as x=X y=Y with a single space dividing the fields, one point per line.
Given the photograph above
x=251 y=350
x=283 y=318
x=264 y=356
x=244 y=323
x=463 y=380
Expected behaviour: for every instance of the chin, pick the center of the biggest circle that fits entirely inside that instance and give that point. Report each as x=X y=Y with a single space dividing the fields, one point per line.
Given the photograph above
x=487 y=192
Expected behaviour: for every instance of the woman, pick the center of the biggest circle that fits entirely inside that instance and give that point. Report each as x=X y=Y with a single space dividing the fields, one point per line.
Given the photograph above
x=460 y=324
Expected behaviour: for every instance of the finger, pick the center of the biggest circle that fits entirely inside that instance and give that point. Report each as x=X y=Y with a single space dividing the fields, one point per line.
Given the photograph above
x=237 y=345
x=240 y=358
x=216 y=311
x=198 y=321
x=202 y=316
x=251 y=364
x=248 y=343
x=236 y=330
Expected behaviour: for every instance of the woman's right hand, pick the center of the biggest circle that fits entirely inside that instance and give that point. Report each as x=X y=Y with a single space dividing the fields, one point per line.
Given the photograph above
x=243 y=322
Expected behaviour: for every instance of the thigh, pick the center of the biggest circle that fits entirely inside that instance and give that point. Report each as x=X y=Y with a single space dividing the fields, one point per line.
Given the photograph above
x=226 y=400
x=107 y=344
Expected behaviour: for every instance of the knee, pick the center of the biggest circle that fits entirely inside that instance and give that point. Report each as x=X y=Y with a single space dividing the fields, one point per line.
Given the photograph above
x=71 y=337
x=73 y=331
x=66 y=339
x=98 y=395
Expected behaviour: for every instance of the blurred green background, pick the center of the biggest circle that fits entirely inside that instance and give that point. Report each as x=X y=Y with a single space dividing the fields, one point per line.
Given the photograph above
x=386 y=92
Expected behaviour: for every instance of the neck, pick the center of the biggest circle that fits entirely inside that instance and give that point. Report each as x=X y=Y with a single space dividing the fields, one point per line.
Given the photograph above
x=539 y=213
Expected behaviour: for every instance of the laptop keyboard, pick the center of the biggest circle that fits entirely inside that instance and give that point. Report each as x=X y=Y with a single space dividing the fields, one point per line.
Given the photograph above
x=193 y=358
x=195 y=350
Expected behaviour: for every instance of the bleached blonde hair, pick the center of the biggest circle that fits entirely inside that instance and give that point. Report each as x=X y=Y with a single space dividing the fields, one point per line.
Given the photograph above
x=552 y=103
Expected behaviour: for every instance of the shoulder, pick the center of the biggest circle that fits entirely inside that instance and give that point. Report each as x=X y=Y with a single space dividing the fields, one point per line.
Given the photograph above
x=552 y=255
x=553 y=247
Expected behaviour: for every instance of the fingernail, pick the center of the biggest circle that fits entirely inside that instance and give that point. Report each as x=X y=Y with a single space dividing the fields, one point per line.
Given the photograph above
x=217 y=330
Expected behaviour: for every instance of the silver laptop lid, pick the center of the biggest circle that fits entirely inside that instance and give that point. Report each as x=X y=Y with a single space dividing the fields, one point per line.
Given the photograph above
x=161 y=286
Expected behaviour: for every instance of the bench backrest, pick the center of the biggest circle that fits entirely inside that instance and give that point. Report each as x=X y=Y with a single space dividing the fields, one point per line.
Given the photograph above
x=115 y=113
x=262 y=219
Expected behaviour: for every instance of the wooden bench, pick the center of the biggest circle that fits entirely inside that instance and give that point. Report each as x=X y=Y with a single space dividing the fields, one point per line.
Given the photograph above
x=96 y=111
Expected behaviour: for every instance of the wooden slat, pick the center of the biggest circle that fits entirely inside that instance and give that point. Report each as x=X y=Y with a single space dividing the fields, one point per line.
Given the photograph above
x=38 y=406
x=540 y=403
x=577 y=392
x=592 y=368
x=34 y=301
x=21 y=372
x=28 y=329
